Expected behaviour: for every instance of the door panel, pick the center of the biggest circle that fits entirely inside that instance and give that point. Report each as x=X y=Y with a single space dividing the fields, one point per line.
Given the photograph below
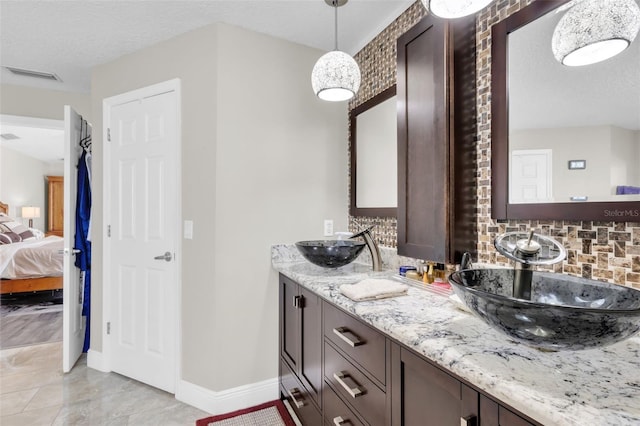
x=143 y=218
x=73 y=327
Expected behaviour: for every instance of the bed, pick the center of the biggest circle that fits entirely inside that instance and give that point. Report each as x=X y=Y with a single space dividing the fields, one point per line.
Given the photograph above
x=31 y=265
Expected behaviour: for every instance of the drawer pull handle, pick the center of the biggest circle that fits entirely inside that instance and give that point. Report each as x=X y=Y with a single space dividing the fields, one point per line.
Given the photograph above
x=354 y=392
x=340 y=332
x=339 y=421
x=292 y=393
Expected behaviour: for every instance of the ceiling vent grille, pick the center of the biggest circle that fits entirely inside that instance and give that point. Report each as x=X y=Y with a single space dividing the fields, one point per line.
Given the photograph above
x=34 y=74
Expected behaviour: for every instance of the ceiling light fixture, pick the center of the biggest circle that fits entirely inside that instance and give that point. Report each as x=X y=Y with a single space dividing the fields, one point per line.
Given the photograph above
x=595 y=30
x=336 y=75
x=454 y=8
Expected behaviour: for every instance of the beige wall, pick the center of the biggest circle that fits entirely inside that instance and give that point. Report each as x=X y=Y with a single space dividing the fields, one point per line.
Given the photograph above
x=22 y=183
x=42 y=103
x=263 y=162
x=21 y=177
x=595 y=148
x=610 y=152
x=625 y=151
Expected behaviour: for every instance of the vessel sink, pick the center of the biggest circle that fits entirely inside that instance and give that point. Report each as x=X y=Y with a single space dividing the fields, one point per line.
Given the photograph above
x=330 y=253
x=564 y=313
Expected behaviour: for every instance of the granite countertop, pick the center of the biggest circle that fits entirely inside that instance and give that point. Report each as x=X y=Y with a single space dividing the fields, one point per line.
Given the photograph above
x=588 y=387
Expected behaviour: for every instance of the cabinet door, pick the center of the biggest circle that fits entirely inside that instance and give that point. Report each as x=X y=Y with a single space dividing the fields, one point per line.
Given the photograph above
x=289 y=329
x=423 y=140
x=494 y=414
x=310 y=362
x=301 y=334
x=437 y=157
x=424 y=395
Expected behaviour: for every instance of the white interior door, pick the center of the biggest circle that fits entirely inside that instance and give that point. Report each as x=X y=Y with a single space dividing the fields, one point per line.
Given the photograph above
x=530 y=180
x=73 y=326
x=143 y=222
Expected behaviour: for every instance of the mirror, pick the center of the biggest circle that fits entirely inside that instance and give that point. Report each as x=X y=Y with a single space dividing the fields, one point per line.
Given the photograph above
x=374 y=166
x=565 y=140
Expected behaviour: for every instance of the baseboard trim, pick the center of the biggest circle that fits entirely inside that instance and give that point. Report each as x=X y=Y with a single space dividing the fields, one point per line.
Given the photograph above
x=96 y=361
x=227 y=400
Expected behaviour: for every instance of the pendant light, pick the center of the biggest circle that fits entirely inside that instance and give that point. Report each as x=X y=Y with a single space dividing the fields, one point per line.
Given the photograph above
x=595 y=30
x=336 y=75
x=454 y=8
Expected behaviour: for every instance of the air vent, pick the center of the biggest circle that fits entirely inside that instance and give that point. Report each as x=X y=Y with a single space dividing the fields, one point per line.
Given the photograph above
x=9 y=136
x=35 y=74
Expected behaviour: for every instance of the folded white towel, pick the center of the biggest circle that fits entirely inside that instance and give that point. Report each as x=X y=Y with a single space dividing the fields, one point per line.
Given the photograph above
x=373 y=288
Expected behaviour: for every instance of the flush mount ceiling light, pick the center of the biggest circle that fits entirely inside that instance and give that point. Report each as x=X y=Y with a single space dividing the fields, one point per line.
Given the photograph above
x=336 y=75
x=454 y=8
x=595 y=30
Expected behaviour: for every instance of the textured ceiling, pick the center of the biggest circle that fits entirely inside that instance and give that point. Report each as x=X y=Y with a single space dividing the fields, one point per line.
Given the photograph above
x=68 y=38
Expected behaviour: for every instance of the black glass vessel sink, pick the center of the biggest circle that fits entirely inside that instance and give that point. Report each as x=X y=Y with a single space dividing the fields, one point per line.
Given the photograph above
x=563 y=313
x=330 y=253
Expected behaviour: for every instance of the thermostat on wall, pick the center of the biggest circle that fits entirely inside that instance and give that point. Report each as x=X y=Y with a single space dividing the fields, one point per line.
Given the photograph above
x=577 y=164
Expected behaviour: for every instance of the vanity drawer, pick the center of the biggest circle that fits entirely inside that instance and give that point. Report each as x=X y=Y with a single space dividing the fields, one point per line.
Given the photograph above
x=336 y=412
x=361 y=343
x=298 y=397
x=354 y=386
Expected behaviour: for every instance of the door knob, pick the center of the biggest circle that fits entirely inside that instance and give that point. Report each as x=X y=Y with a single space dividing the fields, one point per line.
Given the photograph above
x=166 y=256
x=69 y=251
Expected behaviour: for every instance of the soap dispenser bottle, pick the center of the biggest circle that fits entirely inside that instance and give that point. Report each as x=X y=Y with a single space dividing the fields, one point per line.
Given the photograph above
x=428 y=275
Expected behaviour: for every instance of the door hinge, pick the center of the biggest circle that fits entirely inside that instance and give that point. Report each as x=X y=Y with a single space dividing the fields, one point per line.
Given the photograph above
x=108 y=230
x=108 y=327
x=108 y=134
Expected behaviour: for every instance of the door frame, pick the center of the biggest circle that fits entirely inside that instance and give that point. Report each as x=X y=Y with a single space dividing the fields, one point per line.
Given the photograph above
x=173 y=85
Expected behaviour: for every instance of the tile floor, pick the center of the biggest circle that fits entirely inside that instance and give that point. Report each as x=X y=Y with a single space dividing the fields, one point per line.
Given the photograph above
x=34 y=392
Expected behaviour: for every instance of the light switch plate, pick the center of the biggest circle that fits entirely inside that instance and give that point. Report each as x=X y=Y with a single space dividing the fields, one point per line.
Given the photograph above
x=188 y=229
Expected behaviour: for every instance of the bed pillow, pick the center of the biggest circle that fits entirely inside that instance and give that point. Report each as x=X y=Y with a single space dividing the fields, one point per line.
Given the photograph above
x=9 y=237
x=37 y=234
x=17 y=227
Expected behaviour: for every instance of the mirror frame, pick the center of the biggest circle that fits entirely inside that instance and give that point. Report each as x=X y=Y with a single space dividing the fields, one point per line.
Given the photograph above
x=619 y=211
x=354 y=210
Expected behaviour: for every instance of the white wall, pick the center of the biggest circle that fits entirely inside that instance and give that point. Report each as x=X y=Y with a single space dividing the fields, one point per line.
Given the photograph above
x=263 y=162
x=22 y=183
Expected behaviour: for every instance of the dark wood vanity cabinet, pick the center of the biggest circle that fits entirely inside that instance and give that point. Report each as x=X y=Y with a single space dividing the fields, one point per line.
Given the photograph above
x=301 y=350
x=436 y=90
x=337 y=370
x=356 y=370
x=424 y=395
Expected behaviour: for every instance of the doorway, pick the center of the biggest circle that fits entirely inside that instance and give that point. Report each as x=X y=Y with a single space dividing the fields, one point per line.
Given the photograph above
x=142 y=247
x=530 y=180
x=30 y=150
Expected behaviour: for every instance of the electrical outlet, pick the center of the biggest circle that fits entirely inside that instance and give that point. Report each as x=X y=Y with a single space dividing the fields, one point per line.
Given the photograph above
x=328 y=227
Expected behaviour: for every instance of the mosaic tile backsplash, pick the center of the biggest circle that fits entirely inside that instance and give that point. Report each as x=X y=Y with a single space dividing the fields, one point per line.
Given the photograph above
x=607 y=251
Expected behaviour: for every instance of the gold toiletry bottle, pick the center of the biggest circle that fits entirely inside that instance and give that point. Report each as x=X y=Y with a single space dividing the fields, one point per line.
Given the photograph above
x=428 y=275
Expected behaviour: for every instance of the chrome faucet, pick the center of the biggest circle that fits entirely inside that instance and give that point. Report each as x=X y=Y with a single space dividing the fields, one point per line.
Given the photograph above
x=376 y=258
x=528 y=251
